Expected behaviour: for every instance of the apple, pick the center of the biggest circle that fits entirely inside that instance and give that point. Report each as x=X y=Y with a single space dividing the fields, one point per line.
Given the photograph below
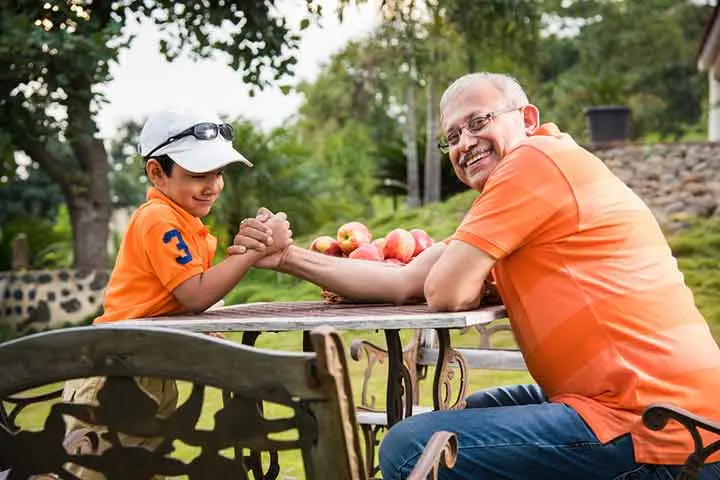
x=351 y=235
x=327 y=245
x=367 y=251
x=422 y=240
x=399 y=244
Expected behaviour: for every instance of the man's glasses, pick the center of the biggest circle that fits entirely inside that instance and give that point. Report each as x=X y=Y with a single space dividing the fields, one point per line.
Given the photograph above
x=201 y=131
x=474 y=125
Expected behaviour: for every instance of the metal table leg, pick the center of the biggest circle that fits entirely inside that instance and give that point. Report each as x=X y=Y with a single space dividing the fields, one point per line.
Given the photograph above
x=399 y=385
x=442 y=384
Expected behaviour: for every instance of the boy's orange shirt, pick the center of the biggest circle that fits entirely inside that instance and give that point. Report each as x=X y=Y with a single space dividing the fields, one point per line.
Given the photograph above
x=596 y=300
x=163 y=247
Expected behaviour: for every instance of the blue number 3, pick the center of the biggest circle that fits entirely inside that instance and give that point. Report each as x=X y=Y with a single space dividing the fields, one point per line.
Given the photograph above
x=181 y=245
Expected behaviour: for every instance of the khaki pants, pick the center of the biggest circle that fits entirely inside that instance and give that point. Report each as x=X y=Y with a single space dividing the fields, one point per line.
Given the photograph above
x=85 y=391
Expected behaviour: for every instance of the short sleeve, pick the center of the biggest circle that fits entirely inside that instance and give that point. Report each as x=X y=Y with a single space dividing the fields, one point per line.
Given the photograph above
x=171 y=253
x=522 y=195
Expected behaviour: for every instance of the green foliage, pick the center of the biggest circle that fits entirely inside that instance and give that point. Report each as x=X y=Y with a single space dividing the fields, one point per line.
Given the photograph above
x=127 y=179
x=59 y=252
x=491 y=28
x=33 y=196
x=283 y=179
x=49 y=245
x=655 y=74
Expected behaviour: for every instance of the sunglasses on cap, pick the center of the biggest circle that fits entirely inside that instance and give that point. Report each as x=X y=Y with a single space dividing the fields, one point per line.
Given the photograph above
x=201 y=131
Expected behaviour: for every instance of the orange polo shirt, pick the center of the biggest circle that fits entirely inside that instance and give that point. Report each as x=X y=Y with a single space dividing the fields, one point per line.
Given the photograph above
x=163 y=247
x=597 y=303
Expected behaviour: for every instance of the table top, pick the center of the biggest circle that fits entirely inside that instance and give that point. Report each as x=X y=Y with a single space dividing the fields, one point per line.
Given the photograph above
x=285 y=316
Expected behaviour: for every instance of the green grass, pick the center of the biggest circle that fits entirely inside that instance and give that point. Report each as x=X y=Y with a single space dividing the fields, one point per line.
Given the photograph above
x=697 y=249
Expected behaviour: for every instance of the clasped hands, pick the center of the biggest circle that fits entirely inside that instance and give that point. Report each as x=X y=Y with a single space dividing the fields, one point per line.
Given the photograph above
x=267 y=233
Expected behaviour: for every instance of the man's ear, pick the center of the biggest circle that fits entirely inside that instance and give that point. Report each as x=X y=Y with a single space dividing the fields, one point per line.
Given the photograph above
x=155 y=173
x=531 y=117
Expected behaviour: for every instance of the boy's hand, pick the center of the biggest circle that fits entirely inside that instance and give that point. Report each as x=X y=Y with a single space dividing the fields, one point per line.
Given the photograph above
x=253 y=234
x=275 y=247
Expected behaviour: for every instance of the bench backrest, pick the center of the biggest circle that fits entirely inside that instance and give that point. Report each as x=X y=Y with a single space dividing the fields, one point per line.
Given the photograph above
x=484 y=356
x=313 y=386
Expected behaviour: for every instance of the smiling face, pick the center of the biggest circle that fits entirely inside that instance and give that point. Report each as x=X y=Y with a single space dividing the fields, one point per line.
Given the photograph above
x=477 y=154
x=194 y=192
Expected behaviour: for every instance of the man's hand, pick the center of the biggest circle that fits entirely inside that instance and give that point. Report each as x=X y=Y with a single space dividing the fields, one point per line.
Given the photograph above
x=254 y=236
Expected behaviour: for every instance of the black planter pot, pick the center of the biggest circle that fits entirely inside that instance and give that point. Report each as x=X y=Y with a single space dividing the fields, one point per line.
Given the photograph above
x=608 y=123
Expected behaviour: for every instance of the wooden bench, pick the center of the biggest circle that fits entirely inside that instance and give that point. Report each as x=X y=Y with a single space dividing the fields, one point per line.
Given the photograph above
x=424 y=350
x=312 y=390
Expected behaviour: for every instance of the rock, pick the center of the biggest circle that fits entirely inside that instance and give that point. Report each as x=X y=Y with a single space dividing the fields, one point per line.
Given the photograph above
x=675 y=179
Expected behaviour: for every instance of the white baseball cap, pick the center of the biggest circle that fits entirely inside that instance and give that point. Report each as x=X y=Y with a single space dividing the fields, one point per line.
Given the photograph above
x=193 y=154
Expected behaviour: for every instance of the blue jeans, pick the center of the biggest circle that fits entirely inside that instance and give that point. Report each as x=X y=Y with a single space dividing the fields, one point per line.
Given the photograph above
x=517 y=433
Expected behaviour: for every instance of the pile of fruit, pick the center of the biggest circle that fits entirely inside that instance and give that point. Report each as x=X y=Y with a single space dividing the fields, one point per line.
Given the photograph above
x=399 y=246
x=354 y=240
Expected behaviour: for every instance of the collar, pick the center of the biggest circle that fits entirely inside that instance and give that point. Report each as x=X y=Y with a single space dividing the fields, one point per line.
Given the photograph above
x=194 y=223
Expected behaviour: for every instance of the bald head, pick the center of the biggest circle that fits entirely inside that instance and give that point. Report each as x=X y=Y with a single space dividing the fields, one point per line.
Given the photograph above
x=508 y=87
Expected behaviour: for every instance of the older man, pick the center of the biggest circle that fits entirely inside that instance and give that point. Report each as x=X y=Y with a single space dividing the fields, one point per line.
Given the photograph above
x=597 y=304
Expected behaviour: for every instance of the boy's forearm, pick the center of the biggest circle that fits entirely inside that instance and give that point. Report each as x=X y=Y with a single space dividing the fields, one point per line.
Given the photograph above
x=204 y=290
x=358 y=280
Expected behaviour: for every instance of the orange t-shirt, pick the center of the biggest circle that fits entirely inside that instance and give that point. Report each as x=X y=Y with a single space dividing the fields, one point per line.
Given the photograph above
x=597 y=303
x=163 y=247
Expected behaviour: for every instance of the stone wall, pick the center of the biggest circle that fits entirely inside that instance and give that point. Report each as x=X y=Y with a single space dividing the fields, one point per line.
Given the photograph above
x=676 y=180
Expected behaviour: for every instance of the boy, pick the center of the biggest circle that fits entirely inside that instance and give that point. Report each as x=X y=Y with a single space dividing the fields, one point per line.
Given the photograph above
x=164 y=265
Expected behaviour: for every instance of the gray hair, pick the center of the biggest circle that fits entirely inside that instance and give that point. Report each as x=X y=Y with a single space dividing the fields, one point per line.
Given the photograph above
x=505 y=84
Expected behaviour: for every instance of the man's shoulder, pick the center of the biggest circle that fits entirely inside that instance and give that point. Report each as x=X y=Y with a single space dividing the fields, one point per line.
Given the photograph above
x=548 y=146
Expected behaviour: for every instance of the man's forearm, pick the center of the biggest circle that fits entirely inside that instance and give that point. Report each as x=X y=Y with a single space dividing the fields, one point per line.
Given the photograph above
x=360 y=280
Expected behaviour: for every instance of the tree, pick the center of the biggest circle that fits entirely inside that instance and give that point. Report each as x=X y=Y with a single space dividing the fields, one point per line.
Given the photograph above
x=655 y=75
x=54 y=53
x=127 y=180
x=357 y=90
x=505 y=29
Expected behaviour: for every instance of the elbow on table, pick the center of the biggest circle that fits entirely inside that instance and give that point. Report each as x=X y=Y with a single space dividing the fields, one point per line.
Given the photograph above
x=192 y=305
x=195 y=309
x=442 y=300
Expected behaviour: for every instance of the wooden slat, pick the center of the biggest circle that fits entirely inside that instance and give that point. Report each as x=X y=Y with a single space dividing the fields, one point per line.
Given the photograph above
x=488 y=359
x=131 y=351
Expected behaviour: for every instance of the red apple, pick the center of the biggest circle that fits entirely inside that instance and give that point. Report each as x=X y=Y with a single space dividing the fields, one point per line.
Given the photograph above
x=399 y=244
x=422 y=240
x=327 y=245
x=351 y=235
x=367 y=251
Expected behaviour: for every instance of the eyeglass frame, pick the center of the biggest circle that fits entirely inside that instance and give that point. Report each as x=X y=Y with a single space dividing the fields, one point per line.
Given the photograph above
x=444 y=145
x=219 y=128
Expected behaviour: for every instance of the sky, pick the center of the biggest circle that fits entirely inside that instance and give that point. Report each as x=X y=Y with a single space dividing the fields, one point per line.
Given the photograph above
x=143 y=81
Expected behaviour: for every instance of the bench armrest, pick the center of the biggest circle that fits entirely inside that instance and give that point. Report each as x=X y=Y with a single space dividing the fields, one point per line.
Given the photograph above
x=440 y=450
x=656 y=416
